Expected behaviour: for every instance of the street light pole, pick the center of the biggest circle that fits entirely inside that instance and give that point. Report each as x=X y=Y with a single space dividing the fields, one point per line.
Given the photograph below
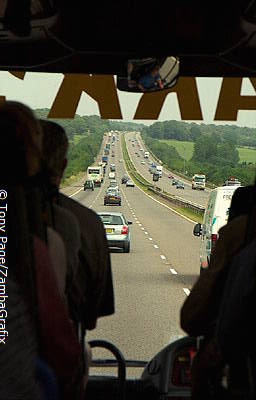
x=184 y=160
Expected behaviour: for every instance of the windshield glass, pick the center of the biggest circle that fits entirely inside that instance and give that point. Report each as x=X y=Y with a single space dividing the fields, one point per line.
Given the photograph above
x=111 y=219
x=154 y=277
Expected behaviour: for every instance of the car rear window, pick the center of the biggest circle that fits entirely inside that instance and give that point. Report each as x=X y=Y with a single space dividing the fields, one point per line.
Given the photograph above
x=111 y=219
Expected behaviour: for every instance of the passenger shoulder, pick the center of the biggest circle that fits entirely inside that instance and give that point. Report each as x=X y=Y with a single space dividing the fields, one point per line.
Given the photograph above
x=64 y=213
x=236 y=226
x=81 y=211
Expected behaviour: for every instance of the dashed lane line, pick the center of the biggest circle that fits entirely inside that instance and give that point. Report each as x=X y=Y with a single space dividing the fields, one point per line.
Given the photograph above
x=164 y=205
x=155 y=246
x=79 y=190
x=173 y=271
x=163 y=257
x=187 y=291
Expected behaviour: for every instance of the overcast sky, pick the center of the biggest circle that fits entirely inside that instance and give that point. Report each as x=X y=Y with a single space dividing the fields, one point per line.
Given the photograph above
x=38 y=90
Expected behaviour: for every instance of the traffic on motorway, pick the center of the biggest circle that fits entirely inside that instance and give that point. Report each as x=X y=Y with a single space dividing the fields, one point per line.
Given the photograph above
x=152 y=230
x=137 y=148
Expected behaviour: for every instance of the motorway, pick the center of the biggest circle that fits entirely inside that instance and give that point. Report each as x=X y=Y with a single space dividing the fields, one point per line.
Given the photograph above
x=153 y=280
x=195 y=196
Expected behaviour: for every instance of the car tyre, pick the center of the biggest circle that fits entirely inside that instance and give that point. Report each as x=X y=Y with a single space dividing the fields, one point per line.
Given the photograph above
x=127 y=247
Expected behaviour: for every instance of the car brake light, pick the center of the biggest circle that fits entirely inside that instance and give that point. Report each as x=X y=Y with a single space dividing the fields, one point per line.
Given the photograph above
x=214 y=238
x=124 y=230
x=181 y=373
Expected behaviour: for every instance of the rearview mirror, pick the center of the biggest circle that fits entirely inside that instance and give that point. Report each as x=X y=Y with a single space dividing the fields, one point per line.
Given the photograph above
x=197 y=231
x=149 y=74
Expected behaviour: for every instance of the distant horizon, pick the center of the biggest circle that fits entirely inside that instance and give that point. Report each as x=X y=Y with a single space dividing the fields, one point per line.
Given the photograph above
x=138 y=122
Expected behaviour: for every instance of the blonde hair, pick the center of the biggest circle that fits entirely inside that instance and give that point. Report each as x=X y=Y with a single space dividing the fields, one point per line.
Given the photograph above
x=28 y=131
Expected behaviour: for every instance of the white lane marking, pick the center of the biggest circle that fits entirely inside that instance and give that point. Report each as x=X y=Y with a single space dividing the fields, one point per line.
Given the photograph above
x=173 y=271
x=150 y=239
x=146 y=233
x=187 y=291
x=155 y=246
x=164 y=205
x=79 y=190
x=143 y=229
x=163 y=257
x=137 y=222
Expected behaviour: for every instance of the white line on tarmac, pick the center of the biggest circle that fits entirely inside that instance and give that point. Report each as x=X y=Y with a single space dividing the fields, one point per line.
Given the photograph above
x=173 y=271
x=155 y=246
x=163 y=257
x=150 y=239
x=187 y=291
x=79 y=190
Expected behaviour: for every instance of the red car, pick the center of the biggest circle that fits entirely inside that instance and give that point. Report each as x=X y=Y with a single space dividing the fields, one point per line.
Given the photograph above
x=170 y=177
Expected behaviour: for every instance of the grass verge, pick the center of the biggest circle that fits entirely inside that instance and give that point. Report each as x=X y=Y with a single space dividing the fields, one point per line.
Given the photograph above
x=190 y=214
x=72 y=179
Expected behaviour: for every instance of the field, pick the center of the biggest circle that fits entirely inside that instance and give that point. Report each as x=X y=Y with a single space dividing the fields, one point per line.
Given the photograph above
x=77 y=138
x=186 y=148
x=183 y=148
x=247 y=154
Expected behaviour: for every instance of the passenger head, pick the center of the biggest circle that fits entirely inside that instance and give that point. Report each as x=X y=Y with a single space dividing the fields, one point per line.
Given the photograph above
x=21 y=140
x=155 y=70
x=55 y=147
x=242 y=201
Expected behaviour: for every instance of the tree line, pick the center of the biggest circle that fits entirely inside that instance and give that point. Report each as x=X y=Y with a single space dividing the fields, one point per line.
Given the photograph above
x=183 y=131
x=91 y=129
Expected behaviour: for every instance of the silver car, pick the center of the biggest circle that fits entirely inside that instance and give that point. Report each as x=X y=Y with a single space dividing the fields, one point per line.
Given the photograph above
x=113 y=183
x=117 y=230
x=129 y=183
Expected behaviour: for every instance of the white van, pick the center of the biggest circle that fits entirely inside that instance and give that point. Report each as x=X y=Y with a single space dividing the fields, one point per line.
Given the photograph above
x=198 y=182
x=159 y=170
x=215 y=216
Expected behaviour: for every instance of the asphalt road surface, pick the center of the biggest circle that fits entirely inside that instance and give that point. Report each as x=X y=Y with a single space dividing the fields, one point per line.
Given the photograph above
x=196 y=196
x=152 y=281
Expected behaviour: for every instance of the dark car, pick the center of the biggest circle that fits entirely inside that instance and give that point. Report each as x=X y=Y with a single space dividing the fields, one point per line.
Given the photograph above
x=88 y=185
x=112 y=197
x=180 y=185
x=174 y=182
x=124 y=179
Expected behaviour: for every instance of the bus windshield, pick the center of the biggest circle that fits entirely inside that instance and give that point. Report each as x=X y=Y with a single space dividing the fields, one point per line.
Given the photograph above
x=155 y=274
